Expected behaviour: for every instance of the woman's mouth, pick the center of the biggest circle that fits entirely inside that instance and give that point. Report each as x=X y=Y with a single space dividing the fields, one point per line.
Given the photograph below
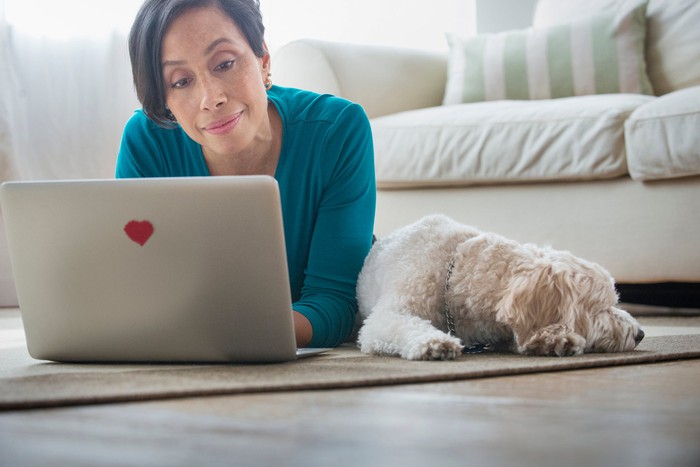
x=223 y=126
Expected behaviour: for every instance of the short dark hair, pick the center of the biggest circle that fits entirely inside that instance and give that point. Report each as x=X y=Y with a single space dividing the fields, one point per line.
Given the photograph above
x=146 y=44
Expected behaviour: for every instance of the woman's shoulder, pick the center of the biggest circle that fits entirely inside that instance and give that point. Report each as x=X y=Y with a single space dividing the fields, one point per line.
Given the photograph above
x=148 y=149
x=139 y=122
x=299 y=104
x=141 y=128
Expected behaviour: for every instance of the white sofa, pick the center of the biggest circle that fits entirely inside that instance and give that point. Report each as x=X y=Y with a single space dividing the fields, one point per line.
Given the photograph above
x=614 y=178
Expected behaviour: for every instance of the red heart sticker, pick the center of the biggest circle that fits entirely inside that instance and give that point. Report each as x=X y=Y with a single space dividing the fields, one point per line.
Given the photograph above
x=139 y=231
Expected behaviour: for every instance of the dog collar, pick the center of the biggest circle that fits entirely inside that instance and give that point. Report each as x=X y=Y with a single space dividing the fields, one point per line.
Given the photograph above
x=476 y=348
x=448 y=315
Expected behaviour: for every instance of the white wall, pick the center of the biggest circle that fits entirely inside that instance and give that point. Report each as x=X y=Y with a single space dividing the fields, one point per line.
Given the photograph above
x=502 y=15
x=418 y=24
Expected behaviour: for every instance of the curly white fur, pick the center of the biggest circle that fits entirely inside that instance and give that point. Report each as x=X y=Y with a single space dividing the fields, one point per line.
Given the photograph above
x=531 y=300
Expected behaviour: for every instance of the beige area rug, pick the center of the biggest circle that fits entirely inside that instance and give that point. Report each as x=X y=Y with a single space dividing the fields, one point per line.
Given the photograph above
x=27 y=383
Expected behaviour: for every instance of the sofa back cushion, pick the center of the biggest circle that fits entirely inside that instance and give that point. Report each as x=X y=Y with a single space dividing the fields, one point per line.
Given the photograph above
x=600 y=53
x=673 y=35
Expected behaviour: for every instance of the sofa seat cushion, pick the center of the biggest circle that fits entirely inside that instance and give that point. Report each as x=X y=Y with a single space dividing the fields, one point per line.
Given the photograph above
x=576 y=138
x=662 y=137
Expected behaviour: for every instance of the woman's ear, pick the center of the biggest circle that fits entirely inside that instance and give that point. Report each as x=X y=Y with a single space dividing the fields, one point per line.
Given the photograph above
x=265 y=68
x=265 y=60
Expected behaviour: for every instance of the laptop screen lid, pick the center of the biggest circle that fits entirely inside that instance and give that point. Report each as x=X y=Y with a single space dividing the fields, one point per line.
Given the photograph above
x=160 y=269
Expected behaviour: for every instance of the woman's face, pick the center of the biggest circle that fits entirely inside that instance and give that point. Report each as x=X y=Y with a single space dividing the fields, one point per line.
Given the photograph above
x=214 y=82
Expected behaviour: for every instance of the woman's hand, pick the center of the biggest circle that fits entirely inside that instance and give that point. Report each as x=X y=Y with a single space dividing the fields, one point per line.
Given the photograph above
x=302 y=329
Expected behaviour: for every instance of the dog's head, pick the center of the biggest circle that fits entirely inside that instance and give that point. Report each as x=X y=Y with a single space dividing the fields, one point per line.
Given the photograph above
x=595 y=302
x=612 y=330
x=574 y=296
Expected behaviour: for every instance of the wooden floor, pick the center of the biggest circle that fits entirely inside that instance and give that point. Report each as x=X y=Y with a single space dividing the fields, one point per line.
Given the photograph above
x=645 y=415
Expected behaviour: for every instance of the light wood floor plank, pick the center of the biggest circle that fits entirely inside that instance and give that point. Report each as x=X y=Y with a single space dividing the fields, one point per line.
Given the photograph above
x=642 y=415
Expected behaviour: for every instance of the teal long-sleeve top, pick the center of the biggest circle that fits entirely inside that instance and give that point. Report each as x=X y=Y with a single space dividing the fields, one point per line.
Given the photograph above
x=327 y=188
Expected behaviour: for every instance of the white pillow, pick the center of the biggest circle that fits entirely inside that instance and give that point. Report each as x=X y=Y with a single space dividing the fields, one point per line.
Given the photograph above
x=673 y=35
x=598 y=54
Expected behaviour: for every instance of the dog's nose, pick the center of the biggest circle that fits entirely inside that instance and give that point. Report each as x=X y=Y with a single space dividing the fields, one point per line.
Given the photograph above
x=638 y=338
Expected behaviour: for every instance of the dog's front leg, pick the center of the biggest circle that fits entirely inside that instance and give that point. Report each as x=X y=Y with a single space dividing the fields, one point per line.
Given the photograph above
x=391 y=333
x=555 y=339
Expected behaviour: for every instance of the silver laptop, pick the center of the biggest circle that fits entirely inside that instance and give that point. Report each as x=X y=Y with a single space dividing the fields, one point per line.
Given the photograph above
x=151 y=270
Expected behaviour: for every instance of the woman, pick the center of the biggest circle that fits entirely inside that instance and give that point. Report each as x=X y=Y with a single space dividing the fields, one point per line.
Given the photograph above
x=202 y=73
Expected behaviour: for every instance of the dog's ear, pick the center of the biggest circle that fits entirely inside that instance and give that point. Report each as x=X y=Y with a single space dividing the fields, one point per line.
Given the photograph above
x=537 y=299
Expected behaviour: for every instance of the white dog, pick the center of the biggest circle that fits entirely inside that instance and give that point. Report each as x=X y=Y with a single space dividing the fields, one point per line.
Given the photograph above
x=494 y=291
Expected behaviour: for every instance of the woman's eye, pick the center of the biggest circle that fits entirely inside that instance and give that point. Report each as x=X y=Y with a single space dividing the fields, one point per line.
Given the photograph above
x=181 y=83
x=225 y=65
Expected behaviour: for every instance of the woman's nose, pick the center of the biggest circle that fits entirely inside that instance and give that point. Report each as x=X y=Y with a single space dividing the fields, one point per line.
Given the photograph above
x=213 y=95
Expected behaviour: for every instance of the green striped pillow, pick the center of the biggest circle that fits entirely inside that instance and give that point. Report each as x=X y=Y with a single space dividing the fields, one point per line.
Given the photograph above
x=601 y=54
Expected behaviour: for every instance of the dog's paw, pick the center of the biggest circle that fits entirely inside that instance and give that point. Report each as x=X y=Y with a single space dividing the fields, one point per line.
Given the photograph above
x=444 y=347
x=555 y=340
x=407 y=336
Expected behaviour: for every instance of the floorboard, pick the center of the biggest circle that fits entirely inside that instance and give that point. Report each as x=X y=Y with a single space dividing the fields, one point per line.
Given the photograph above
x=641 y=415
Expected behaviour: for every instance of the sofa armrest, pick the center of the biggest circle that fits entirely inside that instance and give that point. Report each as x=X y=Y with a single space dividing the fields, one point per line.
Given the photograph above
x=384 y=80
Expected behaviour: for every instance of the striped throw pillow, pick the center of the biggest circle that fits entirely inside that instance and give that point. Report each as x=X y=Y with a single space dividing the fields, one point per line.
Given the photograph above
x=600 y=54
